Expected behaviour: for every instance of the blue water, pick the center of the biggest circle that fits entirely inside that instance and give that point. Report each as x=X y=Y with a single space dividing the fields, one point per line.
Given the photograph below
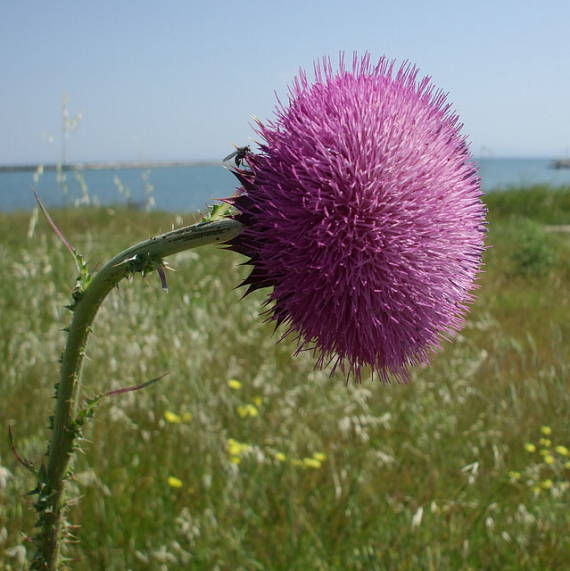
x=184 y=189
x=178 y=189
x=500 y=174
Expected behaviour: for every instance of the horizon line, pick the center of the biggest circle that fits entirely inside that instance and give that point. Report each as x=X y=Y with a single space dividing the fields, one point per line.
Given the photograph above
x=141 y=164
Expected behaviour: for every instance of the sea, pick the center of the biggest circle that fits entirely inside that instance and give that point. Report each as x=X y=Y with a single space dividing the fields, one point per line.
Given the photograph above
x=192 y=188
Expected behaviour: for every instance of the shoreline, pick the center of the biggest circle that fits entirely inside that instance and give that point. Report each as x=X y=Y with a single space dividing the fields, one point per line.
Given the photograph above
x=553 y=164
x=115 y=165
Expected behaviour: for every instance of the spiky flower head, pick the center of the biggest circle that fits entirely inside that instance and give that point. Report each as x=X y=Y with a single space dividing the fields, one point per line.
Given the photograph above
x=362 y=210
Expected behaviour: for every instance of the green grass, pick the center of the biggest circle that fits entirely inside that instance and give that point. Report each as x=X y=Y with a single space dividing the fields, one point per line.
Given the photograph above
x=540 y=203
x=415 y=477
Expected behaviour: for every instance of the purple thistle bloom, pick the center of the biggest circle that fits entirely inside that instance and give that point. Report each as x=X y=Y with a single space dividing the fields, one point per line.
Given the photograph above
x=363 y=212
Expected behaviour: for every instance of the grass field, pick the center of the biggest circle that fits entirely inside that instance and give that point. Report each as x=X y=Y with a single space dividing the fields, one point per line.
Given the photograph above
x=290 y=468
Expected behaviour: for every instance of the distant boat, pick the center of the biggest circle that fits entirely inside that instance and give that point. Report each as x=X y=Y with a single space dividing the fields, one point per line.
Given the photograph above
x=560 y=164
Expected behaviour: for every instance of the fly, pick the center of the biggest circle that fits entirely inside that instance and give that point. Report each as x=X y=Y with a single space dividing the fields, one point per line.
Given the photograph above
x=239 y=155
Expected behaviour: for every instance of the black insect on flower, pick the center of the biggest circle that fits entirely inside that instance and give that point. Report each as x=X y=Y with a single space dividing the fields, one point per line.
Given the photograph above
x=239 y=155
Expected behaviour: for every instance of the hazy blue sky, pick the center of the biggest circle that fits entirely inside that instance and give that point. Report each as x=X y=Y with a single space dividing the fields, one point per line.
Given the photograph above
x=181 y=79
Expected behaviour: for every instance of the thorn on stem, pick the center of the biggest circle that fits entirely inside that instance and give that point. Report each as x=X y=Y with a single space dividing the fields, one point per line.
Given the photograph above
x=162 y=276
x=87 y=412
x=135 y=387
x=54 y=226
x=25 y=463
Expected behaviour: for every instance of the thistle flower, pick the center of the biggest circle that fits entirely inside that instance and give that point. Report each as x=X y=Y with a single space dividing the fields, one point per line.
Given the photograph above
x=362 y=210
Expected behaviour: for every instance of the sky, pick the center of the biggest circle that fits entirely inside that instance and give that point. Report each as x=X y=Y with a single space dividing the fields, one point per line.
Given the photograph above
x=181 y=80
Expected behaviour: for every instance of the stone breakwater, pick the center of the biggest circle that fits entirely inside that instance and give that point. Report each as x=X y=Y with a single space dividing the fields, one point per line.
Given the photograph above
x=107 y=165
x=561 y=164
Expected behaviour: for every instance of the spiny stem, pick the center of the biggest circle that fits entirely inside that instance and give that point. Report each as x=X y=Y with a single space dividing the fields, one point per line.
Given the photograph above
x=141 y=257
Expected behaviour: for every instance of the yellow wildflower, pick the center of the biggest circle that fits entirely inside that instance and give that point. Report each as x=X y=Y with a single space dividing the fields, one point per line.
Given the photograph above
x=257 y=401
x=562 y=450
x=530 y=447
x=545 y=442
x=544 y=452
x=549 y=459
x=233 y=446
x=546 y=430
x=311 y=463
x=536 y=490
x=247 y=410
x=234 y=384
x=187 y=417
x=235 y=459
x=546 y=484
x=319 y=456
x=280 y=456
x=515 y=475
x=236 y=448
x=174 y=482
x=172 y=417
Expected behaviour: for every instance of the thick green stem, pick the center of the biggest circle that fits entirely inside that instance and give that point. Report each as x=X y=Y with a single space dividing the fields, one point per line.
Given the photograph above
x=140 y=257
